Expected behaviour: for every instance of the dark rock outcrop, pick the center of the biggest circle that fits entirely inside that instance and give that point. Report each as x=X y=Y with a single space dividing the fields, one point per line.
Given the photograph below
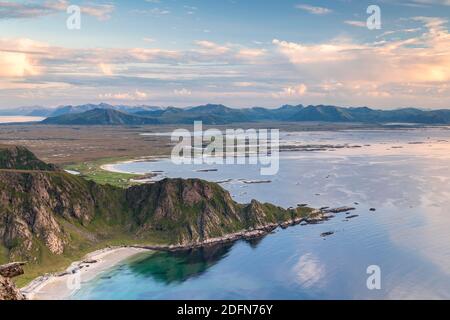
x=8 y=290
x=12 y=270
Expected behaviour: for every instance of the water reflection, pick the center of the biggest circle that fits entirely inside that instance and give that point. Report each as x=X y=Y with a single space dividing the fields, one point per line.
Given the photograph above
x=177 y=267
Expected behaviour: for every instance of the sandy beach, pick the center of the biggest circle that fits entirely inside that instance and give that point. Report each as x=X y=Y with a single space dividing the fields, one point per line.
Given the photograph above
x=61 y=286
x=111 y=167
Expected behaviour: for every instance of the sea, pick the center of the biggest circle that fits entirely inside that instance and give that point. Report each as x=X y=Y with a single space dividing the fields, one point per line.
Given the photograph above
x=394 y=245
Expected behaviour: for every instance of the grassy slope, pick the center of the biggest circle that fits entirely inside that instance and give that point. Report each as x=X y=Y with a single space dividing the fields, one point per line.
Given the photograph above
x=93 y=171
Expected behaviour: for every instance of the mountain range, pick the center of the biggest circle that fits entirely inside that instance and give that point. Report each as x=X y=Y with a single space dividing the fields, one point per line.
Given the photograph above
x=38 y=111
x=212 y=114
x=217 y=114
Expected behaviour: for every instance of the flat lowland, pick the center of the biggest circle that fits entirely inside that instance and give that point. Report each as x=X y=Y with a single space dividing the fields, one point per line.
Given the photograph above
x=65 y=145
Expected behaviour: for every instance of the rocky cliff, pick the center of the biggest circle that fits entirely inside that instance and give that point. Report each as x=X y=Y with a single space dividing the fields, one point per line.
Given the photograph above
x=46 y=212
x=20 y=158
x=47 y=215
x=8 y=290
x=193 y=211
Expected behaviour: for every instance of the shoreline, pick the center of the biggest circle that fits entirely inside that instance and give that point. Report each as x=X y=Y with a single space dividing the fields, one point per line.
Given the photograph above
x=314 y=217
x=57 y=286
x=110 y=166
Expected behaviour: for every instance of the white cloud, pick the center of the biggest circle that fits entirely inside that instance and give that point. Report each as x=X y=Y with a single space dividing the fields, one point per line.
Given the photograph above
x=433 y=2
x=313 y=9
x=182 y=92
x=417 y=59
x=356 y=23
x=14 y=64
x=100 y=11
x=210 y=47
x=125 y=96
x=153 y=11
x=385 y=73
x=106 y=69
x=18 y=57
x=251 y=53
x=317 y=53
x=243 y=84
x=292 y=91
x=16 y=10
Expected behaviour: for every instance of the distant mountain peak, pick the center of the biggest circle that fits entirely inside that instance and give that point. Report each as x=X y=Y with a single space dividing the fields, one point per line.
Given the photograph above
x=219 y=114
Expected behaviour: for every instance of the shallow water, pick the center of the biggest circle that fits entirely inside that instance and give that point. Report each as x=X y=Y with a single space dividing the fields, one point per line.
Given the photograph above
x=19 y=119
x=404 y=174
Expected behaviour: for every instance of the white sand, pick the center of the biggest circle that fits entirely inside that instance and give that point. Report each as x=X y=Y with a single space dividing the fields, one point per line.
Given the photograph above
x=111 y=167
x=61 y=287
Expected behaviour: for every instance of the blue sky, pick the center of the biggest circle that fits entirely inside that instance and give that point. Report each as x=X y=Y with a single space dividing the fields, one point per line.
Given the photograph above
x=235 y=52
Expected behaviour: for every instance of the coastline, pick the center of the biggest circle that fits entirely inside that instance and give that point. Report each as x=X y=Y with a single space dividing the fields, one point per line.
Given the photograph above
x=59 y=286
x=55 y=286
x=111 y=166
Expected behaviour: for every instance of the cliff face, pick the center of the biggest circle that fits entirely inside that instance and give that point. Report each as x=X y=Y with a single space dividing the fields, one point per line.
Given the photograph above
x=20 y=158
x=195 y=210
x=8 y=290
x=46 y=214
x=46 y=209
x=186 y=210
x=54 y=211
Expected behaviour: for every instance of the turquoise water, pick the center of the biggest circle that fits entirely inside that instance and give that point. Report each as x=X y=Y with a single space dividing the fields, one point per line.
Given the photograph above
x=404 y=174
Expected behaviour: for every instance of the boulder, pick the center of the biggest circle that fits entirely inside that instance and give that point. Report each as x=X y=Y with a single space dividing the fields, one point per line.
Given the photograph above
x=12 y=270
x=8 y=290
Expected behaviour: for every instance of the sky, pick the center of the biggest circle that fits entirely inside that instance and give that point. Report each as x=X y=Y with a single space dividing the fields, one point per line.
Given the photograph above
x=241 y=53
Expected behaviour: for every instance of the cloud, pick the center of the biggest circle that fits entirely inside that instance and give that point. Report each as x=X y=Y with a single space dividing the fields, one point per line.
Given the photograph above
x=306 y=54
x=153 y=11
x=101 y=11
x=410 y=68
x=356 y=23
x=243 y=84
x=106 y=69
x=251 y=53
x=433 y=2
x=417 y=59
x=23 y=10
x=125 y=96
x=18 y=57
x=292 y=91
x=313 y=9
x=13 y=10
x=182 y=92
x=16 y=65
x=209 y=47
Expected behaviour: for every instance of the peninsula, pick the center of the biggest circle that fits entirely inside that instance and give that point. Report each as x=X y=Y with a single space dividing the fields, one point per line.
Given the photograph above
x=50 y=218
